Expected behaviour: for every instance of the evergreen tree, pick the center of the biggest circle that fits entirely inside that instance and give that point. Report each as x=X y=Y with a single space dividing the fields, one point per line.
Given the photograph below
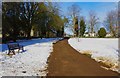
x=76 y=26
x=82 y=27
x=102 y=32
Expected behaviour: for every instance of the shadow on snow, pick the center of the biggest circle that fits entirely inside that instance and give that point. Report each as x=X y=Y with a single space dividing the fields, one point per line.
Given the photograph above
x=4 y=47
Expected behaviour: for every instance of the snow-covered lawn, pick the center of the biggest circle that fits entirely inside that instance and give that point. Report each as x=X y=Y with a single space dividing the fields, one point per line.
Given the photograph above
x=103 y=50
x=32 y=62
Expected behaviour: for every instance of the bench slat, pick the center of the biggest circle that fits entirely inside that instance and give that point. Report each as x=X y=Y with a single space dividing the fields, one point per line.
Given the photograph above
x=14 y=46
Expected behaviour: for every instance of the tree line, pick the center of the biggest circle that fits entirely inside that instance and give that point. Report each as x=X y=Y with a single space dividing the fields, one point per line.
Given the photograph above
x=92 y=25
x=19 y=18
x=44 y=19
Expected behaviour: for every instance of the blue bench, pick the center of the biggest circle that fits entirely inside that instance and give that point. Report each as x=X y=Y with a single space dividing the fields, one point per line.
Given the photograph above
x=13 y=46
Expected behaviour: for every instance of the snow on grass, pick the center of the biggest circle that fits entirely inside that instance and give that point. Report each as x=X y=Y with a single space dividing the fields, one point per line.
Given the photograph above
x=103 y=50
x=32 y=62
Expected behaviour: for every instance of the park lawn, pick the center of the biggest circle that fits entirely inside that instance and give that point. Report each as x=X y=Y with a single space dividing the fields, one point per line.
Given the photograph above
x=103 y=50
x=32 y=62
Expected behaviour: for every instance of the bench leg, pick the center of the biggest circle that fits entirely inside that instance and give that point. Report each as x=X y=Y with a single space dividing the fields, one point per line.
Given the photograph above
x=18 y=50
x=11 y=51
x=22 y=48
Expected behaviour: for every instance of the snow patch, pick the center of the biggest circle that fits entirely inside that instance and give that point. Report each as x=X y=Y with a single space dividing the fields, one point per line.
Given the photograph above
x=32 y=62
x=101 y=49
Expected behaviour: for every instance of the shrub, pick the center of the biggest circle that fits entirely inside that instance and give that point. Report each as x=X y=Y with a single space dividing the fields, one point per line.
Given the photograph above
x=102 y=32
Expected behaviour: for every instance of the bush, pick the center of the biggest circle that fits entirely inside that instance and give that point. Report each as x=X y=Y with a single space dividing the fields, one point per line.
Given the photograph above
x=102 y=32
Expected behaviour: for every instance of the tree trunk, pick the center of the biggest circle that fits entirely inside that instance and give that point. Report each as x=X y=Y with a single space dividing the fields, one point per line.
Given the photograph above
x=28 y=35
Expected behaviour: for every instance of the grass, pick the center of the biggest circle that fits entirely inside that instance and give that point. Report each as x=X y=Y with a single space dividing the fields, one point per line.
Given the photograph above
x=103 y=61
x=106 y=62
x=87 y=53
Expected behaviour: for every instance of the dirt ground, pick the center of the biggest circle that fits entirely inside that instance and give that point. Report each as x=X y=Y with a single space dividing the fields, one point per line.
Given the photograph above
x=65 y=61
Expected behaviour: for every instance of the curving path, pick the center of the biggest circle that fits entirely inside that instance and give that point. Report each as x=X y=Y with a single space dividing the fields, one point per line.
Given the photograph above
x=65 y=61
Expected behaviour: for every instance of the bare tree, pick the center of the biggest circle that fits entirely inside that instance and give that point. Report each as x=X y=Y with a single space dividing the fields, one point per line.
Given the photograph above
x=111 y=22
x=118 y=19
x=74 y=12
x=93 y=20
x=116 y=22
x=0 y=17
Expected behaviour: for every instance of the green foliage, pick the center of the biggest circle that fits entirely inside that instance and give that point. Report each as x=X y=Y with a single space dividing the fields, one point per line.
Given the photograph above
x=82 y=27
x=102 y=32
x=75 y=25
x=10 y=20
x=20 y=18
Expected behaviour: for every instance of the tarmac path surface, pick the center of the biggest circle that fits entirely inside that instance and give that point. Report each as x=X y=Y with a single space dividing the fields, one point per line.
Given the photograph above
x=66 y=61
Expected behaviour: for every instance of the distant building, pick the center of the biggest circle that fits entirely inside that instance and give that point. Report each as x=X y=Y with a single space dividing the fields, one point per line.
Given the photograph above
x=86 y=35
x=109 y=35
x=90 y=34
